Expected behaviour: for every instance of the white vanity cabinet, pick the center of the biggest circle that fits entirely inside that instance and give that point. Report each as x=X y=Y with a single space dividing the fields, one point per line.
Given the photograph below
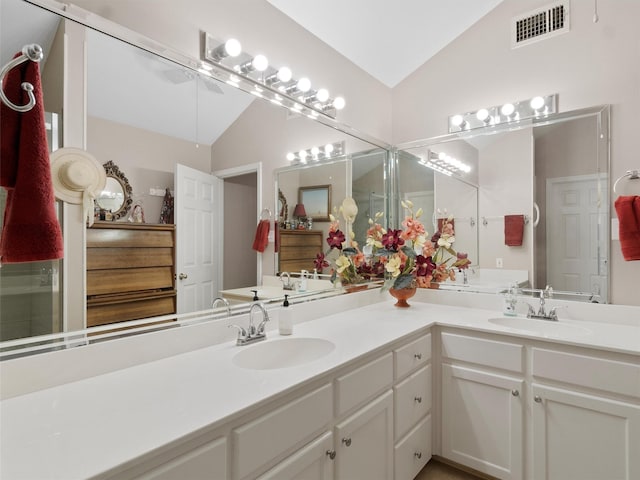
x=585 y=416
x=412 y=407
x=482 y=404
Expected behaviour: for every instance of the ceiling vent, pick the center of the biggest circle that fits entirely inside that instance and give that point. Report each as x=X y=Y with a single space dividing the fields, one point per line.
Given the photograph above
x=540 y=24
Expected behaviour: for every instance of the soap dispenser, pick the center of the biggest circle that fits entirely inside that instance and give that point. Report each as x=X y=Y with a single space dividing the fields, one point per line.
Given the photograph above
x=255 y=296
x=285 y=318
x=510 y=301
x=303 y=281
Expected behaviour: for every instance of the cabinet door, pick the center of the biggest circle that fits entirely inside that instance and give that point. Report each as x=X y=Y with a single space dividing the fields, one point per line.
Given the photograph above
x=482 y=421
x=582 y=436
x=364 y=442
x=311 y=462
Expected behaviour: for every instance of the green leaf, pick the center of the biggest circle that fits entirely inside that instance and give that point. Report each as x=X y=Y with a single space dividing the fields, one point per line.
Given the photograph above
x=403 y=281
x=409 y=252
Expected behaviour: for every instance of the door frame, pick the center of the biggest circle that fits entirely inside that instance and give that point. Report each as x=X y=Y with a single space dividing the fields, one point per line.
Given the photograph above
x=230 y=173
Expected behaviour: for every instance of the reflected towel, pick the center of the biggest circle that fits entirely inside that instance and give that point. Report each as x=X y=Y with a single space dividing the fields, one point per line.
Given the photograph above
x=262 y=236
x=513 y=230
x=30 y=230
x=628 y=210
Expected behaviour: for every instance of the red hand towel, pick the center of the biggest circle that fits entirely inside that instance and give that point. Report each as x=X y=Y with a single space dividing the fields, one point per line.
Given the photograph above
x=262 y=236
x=30 y=230
x=628 y=210
x=513 y=230
x=442 y=220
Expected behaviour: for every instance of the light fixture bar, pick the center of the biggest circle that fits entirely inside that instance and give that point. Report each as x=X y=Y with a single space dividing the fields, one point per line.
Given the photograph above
x=279 y=85
x=536 y=107
x=317 y=153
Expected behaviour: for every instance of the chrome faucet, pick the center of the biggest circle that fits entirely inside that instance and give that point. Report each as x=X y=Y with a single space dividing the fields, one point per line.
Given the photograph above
x=542 y=314
x=224 y=301
x=465 y=276
x=252 y=334
x=286 y=285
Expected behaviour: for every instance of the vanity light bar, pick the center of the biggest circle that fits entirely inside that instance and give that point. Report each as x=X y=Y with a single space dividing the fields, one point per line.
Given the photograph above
x=316 y=154
x=536 y=107
x=445 y=163
x=278 y=82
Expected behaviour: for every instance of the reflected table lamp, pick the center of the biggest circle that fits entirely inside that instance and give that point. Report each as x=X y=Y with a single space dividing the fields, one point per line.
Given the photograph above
x=300 y=215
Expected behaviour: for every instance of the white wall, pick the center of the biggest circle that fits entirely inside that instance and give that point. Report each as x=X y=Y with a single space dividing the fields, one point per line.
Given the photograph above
x=593 y=64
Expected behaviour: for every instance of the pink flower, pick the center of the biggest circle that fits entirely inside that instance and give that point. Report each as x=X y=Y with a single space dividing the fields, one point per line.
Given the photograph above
x=413 y=229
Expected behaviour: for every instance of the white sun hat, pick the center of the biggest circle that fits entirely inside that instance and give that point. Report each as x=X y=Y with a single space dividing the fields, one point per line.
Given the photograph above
x=77 y=178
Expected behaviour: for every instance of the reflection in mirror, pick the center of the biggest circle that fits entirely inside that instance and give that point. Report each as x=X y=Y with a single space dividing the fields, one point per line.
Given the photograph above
x=565 y=208
x=116 y=195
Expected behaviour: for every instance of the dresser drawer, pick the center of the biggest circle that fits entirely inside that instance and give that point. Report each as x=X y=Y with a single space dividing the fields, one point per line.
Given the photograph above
x=414 y=451
x=586 y=371
x=364 y=383
x=109 y=282
x=412 y=400
x=490 y=353
x=124 y=235
x=412 y=355
x=102 y=311
x=267 y=437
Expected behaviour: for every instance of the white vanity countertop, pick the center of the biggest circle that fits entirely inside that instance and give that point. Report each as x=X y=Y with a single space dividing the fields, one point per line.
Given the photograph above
x=84 y=428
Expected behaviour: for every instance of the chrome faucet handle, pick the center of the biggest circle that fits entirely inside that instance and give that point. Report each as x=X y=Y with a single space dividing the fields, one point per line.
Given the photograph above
x=242 y=332
x=532 y=311
x=553 y=313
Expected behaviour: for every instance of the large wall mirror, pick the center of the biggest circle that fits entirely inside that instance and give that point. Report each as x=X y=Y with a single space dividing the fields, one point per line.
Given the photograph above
x=554 y=172
x=146 y=113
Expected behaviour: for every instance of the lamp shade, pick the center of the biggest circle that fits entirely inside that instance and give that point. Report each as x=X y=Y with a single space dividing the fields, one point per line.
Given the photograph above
x=299 y=211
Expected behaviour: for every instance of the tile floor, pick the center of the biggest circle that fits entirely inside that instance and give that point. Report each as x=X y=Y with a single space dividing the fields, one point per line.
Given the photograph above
x=436 y=470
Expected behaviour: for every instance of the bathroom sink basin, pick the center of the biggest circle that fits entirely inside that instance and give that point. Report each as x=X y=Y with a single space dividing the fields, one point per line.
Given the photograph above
x=282 y=353
x=541 y=327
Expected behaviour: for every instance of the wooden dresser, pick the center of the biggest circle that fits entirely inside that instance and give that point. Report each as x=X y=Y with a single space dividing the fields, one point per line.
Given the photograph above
x=130 y=272
x=298 y=249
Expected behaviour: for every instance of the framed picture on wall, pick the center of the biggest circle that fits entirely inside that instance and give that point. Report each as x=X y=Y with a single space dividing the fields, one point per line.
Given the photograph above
x=316 y=201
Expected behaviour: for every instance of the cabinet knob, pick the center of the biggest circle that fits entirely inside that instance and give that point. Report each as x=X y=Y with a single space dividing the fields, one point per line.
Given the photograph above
x=515 y=393
x=418 y=399
x=183 y=276
x=331 y=454
x=417 y=356
x=346 y=442
x=537 y=399
x=418 y=455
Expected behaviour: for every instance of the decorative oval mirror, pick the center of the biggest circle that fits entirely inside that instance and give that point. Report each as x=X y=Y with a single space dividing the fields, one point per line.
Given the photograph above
x=116 y=195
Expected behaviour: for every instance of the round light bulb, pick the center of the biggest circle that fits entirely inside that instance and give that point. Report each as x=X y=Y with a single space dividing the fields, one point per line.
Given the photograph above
x=260 y=63
x=284 y=74
x=232 y=47
x=304 y=84
x=457 y=120
x=303 y=155
x=322 y=95
x=508 y=109
x=328 y=149
x=339 y=103
x=442 y=155
x=482 y=114
x=291 y=157
x=537 y=103
x=315 y=151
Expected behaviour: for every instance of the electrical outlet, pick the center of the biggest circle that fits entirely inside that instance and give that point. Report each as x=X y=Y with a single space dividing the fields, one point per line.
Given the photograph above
x=498 y=263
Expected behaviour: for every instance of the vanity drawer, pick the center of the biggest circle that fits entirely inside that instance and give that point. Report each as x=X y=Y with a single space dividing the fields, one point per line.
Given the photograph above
x=414 y=451
x=412 y=355
x=490 y=353
x=267 y=437
x=412 y=400
x=586 y=371
x=364 y=383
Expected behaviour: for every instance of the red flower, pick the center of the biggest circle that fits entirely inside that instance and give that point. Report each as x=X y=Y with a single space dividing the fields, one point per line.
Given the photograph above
x=335 y=239
x=319 y=263
x=392 y=240
x=424 y=266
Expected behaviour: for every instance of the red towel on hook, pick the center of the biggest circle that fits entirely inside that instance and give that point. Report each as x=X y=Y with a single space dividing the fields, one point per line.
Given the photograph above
x=628 y=210
x=513 y=230
x=262 y=236
x=30 y=231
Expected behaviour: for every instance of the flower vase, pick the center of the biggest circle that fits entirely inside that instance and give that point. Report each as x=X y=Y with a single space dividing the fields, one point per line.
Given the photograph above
x=402 y=295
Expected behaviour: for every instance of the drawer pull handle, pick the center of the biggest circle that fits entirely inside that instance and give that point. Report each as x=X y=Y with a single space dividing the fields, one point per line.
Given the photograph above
x=418 y=399
x=515 y=393
x=418 y=455
x=417 y=356
x=183 y=276
x=346 y=442
x=537 y=399
x=331 y=454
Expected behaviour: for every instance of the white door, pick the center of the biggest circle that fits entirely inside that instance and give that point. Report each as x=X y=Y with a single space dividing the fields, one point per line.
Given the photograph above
x=577 y=233
x=196 y=238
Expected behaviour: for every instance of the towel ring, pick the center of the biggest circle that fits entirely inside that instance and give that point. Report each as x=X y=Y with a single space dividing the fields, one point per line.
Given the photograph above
x=263 y=212
x=632 y=174
x=31 y=52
